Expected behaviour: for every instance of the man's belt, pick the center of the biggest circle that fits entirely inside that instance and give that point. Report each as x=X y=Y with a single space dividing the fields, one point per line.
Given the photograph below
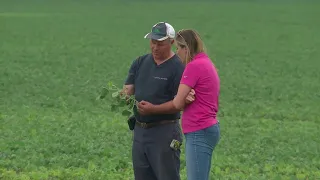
x=153 y=124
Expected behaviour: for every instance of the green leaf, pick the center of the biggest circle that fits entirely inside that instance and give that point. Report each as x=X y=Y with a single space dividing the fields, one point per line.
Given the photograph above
x=114 y=107
x=217 y=170
x=122 y=103
x=110 y=84
x=104 y=92
x=131 y=101
x=115 y=94
x=126 y=112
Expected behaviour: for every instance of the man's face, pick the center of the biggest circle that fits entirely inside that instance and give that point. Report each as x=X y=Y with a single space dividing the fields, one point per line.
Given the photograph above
x=160 y=49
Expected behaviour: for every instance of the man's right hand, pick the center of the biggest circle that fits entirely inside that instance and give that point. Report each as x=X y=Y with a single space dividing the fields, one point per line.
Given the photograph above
x=191 y=97
x=127 y=91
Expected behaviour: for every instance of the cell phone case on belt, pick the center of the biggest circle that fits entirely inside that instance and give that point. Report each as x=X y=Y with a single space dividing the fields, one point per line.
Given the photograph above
x=131 y=122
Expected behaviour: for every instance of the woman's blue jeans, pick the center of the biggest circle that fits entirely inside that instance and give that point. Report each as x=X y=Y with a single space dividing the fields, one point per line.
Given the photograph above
x=199 y=149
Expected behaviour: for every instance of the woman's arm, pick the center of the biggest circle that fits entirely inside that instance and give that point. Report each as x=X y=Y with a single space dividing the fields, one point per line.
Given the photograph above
x=189 y=79
x=179 y=101
x=176 y=105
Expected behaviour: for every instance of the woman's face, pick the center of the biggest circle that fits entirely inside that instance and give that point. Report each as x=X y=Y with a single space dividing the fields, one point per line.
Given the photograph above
x=181 y=52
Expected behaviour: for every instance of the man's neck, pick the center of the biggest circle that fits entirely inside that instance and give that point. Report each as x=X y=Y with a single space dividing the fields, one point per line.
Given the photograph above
x=164 y=60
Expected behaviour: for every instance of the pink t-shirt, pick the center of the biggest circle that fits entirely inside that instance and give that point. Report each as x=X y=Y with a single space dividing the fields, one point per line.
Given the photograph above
x=201 y=75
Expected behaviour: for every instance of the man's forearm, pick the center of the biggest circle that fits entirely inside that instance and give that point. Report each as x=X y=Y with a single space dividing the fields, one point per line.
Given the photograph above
x=165 y=108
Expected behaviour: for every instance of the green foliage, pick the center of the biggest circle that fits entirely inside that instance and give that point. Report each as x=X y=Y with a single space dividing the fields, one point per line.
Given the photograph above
x=54 y=56
x=119 y=102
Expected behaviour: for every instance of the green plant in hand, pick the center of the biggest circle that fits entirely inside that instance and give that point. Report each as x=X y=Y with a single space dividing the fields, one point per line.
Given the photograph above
x=120 y=102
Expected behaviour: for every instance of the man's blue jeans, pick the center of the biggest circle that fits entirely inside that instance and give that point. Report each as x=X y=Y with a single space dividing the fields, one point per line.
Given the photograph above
x=199 y=149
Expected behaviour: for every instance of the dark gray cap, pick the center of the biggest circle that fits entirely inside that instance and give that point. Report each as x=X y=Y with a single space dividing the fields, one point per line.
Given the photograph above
x=161 y=31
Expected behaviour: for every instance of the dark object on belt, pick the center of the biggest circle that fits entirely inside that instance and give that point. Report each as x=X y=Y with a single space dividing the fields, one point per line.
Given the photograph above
x=150 y=125
x=131 y=122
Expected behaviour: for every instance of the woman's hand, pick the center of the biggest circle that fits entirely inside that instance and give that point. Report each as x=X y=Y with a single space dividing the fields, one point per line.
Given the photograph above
x=191 y=97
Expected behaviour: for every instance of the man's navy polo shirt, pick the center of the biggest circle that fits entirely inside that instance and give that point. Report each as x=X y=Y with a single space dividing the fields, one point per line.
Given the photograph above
x=154 y=83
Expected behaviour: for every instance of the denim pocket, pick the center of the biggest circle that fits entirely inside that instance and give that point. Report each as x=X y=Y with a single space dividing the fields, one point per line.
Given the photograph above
x=212 y=135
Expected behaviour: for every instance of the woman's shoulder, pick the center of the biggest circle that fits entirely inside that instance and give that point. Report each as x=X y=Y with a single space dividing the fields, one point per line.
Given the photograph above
x=200 y=60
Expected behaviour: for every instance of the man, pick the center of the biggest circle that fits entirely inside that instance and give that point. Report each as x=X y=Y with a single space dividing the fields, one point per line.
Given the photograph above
x=155 y=78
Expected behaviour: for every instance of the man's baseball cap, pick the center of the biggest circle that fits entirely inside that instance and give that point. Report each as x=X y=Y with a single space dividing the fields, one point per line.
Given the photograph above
x=161 y=31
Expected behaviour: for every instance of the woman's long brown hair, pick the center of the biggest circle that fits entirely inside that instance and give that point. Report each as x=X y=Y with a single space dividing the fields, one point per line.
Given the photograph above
x=190 y=39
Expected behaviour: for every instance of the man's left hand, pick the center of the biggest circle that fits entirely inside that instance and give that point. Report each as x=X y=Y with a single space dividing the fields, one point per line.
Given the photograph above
x=145 y=107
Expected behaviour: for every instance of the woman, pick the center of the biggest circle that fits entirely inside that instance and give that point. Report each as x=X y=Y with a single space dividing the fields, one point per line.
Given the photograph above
x=199 y=119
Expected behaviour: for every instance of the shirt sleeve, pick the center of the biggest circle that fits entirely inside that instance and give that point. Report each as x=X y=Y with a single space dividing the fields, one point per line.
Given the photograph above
x=132 y=73
x=190 y=75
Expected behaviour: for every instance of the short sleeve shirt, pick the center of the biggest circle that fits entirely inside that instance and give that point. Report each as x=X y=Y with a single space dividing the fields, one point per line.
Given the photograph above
x=201 y=75
x=156 y=84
